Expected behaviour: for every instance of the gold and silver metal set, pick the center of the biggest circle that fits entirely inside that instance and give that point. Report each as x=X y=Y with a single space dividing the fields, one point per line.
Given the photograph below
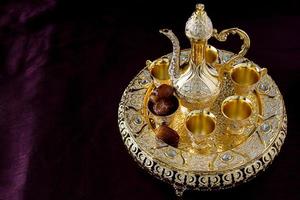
x=230 y=119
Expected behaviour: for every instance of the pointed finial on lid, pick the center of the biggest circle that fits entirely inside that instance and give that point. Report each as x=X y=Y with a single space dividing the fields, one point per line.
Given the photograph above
x=199 y=26
x=200 y=7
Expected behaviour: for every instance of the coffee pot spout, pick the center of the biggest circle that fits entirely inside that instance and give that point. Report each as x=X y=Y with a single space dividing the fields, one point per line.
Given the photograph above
x=175 y=60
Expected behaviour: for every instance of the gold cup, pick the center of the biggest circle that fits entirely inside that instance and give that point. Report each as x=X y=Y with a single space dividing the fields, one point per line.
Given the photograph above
x=245 y=77
x=200 y=125
x=159 y=70
x=237 y=111
x=163 y=119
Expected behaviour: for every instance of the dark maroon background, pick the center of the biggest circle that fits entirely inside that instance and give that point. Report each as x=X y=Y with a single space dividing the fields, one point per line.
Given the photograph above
x=64 y=66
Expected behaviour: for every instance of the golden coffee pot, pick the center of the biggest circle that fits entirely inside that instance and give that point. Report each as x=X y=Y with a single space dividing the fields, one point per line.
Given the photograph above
x=198 y=83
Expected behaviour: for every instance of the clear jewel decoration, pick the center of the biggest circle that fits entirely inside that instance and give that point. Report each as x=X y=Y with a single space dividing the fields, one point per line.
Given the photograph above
x=138 y=119
x=226 y=57
x=144 y=81
x=171 y=153
x=263 y=87
x=226 y=157
x=265 y=128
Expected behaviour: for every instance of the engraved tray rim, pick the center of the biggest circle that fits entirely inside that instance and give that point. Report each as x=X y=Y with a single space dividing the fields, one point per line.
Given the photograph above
x=201 y=180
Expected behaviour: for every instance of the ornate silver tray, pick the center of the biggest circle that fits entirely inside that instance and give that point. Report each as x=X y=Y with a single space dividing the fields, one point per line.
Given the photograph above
x=231 y=159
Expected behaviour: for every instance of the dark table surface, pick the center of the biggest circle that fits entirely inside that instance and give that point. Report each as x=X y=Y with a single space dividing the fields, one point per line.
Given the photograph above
x=64 y=66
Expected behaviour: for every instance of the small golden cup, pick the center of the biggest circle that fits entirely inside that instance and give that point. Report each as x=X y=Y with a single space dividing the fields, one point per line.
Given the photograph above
x=245 y=77
x=237 y=111
x=159 y=70
x=163 y=119
x=200 y=125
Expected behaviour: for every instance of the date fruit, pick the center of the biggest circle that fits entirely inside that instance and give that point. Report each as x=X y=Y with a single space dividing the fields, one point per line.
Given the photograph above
x=163 y=91
x=165 y=106
x=168 y=135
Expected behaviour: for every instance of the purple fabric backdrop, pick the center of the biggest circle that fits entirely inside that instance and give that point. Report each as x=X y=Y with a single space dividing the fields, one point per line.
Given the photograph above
x=24 y=55
x=63 y=71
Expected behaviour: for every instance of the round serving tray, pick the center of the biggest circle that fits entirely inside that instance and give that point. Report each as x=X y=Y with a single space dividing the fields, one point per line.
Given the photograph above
x=237 y=158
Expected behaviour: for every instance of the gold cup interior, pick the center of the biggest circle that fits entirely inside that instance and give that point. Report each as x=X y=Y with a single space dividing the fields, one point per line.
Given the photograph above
x=237 y=108
x=201 y=124
x=160 y=69
x=245 y=75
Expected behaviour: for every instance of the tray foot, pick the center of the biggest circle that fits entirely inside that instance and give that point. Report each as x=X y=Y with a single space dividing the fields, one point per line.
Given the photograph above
x=179 y=190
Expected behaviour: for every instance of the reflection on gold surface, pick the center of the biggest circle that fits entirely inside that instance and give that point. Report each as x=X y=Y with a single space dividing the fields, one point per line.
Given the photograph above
x=201 y=123
x=162 y=119
x=159 y=69
x=236 y=108
x=245 y=76
x=211 y=54
x=228 y=141
x=220 y=139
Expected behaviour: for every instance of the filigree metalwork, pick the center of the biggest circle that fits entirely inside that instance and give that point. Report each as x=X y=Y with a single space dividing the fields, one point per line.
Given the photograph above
x=188 y=169
x=235 y=142
x=222 y=37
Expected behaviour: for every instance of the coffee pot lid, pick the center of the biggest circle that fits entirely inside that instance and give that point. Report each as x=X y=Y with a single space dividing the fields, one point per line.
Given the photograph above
x=199 y=25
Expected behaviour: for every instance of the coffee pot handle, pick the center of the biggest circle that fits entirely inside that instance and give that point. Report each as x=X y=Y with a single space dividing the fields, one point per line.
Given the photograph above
x=222 y=37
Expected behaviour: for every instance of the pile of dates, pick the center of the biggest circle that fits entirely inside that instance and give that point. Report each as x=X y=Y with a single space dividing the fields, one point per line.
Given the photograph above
x=162 y=101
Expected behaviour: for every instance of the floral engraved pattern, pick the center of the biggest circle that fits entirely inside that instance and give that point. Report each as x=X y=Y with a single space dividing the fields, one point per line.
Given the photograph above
x=183 y=170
